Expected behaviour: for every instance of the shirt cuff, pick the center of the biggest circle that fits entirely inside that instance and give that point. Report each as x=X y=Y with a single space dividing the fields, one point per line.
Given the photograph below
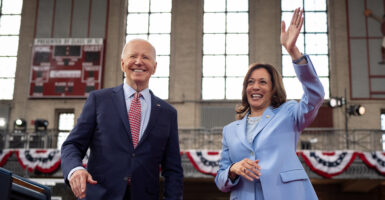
x=232 y=181
x=300 y=59
x=72 y=171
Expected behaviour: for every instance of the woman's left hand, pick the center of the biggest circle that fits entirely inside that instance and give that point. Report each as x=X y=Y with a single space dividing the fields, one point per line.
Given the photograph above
x=289 y=37
x=247 y=168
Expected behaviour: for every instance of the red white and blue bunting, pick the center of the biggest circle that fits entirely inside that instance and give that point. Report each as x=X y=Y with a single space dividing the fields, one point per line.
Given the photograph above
x=204 y=161
x=4 y=154
x=43 y=160
x=326 y=164
x=375 y=160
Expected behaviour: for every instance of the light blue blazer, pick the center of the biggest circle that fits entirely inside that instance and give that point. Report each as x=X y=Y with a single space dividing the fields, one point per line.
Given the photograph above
x=275 y=141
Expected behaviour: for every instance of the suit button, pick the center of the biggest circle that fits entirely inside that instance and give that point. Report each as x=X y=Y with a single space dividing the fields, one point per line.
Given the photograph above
x=252 y=153
x=133 y=155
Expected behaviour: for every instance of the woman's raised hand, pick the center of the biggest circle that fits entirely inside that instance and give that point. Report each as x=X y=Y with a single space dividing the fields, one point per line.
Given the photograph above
x=289 y=37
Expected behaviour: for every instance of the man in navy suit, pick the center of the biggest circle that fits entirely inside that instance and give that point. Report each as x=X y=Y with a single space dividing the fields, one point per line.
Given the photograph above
x=118 y=166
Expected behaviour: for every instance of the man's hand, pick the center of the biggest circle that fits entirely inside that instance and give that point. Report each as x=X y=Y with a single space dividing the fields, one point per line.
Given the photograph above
x=78 y=182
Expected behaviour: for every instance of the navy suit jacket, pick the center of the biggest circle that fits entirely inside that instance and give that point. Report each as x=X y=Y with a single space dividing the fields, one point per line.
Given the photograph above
x=104 y=128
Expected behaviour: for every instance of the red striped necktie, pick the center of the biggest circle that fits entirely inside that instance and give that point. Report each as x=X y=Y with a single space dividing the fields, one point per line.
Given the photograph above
x=134 y=117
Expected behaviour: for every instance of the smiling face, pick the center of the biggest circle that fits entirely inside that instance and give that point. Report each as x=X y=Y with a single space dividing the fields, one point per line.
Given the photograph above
x=138 y=63
x=259 y=91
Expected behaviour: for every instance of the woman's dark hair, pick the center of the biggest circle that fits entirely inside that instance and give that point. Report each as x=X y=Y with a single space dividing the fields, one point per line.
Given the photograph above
x=278 y=91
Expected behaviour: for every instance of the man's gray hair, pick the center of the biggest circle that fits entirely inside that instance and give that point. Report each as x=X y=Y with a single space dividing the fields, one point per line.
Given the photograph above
x=138 y=39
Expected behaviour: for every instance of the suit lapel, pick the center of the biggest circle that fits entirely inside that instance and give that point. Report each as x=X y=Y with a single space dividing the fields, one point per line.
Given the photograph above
x=241 y=132
x=120 y=104
x=154 y=114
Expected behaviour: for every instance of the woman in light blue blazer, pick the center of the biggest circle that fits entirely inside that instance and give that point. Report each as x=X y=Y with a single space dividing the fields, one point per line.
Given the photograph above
x=258 y=158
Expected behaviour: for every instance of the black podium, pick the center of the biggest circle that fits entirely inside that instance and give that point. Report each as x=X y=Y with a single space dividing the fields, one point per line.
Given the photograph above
x=14 y=187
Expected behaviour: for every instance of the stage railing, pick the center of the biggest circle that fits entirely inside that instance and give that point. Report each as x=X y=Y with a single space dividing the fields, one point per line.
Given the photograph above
x=336 y=139
x=211 y=139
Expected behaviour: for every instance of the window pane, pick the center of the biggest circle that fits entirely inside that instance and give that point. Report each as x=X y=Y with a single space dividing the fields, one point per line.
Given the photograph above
x=7 y=67
x=316 y=22
x=325 y=83
x=61 y=138
x=288 y=70
x=137 y=23
x=321 y=64
x=311 y=5
x=291 y=4
x=159 y=86
x=213 y=88
x=163 y=66
x=214 y=5
x=234 y=88
x=237 y=22
x=66 y=121
x=225 y=54
x=9 y=45
x=12 y=6
x=213 y=43
x=286 y=17
x=160 y=23
x=138 y=5
x=316 y=44
x=237 y=65
x=237 y=44
x=161 y=6
x=10 y=24
x=6 y=88
x=10 y=11
x=135 y=36
x=161 y=43
x=293 y=88
x=213 y=65
x=237 y=5
x=287 y=66
x=214 y=23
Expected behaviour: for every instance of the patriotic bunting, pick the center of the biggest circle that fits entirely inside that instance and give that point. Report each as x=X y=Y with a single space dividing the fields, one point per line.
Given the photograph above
x=328 y=164
x=4 y=154
x=206 y=162
x=374 y=159
x=46 y=161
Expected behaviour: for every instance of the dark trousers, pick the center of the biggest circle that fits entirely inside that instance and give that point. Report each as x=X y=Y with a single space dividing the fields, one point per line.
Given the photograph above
x=127 y=194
